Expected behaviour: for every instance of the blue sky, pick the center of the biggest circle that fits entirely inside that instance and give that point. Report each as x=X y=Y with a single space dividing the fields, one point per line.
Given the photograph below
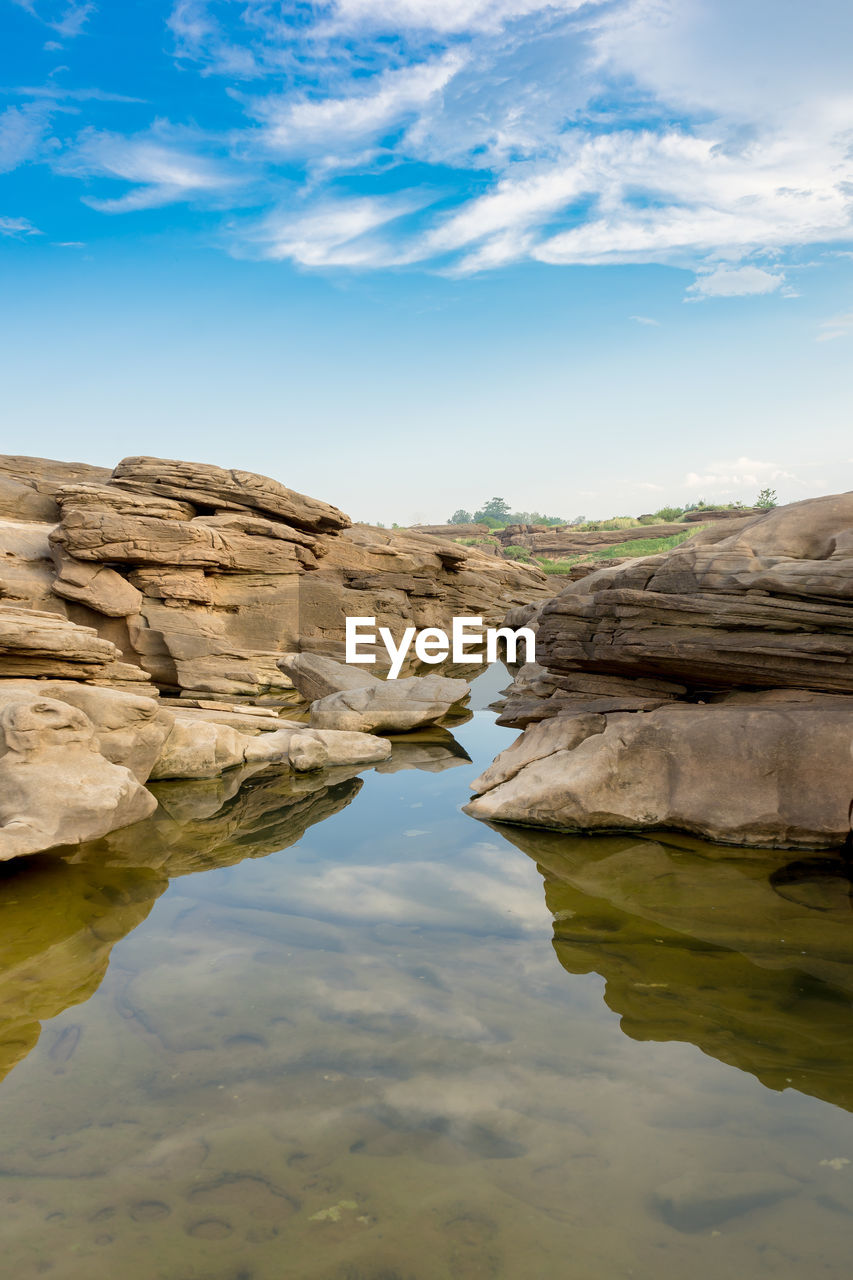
x=591 y=255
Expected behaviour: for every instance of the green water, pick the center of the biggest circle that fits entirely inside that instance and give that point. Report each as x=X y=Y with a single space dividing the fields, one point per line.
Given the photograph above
x=331 y=1028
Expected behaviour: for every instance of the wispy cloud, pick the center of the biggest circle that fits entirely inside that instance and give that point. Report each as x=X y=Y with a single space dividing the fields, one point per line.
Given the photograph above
x=734 y=282
x=339 y=234
x=17 y=228
x=731 y=479
x=67 y=19
x=563 y=132
x=161 y=170
x=837 y=327
x=646 y=320
x=23 y=131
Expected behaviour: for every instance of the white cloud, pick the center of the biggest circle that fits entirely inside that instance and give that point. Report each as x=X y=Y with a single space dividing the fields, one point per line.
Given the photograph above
x=17 y=228
x=730 y=479
x=22 y=134
x=712 y=137
x=445 y=15
x=837 y=327
x=163 y=171
x=67 y=19
x=646 y=320
x=302 y=125
x=338 y=235
x=734 y=282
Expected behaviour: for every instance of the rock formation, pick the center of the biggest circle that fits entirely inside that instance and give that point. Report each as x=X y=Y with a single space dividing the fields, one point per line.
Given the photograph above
x=200 y=577
x=349 y=698
x=706 y=689
x=190 y=581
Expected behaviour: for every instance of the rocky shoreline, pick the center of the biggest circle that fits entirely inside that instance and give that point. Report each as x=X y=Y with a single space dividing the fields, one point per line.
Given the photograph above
x=705 y=690
x=146 y=615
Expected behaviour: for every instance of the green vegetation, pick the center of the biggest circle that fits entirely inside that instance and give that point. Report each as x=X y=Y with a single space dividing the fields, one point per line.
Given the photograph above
x=634 y=547
x=496 y=514
x=766 y=499
x=517 y=553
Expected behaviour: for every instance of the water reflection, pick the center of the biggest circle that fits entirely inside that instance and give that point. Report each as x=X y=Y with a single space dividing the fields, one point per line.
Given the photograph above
x=61 y=913
x=748 y=955
x=357 y=1060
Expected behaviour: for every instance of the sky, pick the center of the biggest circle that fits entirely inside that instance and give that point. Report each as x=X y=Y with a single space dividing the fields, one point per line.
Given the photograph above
x=591 y=256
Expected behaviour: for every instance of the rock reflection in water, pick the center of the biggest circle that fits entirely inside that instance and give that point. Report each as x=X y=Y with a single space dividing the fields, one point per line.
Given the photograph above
x=748 y=955
x=61 y=915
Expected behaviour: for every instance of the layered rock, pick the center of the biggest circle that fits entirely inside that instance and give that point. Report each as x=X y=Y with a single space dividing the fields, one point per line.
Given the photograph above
x=707 y=690
x=201 y=577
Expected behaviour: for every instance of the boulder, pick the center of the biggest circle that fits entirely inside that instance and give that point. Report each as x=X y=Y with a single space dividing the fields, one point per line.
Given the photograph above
x=129 y=730
x=55 y=786
x=315 y=675
x=389 y=706
x=200 y=747
x=774 y=776
x=95 y=585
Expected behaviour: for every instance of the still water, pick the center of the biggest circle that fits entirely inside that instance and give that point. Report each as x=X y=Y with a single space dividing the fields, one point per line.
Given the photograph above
x=331 y=1028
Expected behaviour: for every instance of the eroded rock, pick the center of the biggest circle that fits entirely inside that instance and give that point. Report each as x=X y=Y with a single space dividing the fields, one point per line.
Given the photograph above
x=55 y=786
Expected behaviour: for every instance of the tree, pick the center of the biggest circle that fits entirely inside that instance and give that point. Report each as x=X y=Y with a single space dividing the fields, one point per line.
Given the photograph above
x=766 y=499
x=495 y=508
x=460 y=517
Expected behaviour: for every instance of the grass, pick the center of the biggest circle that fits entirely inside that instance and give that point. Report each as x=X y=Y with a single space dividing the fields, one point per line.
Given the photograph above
x=635 y=547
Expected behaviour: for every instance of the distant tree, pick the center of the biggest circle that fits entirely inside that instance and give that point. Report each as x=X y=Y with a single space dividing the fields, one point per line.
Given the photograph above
x=460 y=517
x=495 y=508
x=766 y=499
x=578 y=520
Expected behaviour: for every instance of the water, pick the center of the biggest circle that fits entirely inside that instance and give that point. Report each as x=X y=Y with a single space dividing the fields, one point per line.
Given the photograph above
x=337 y=1030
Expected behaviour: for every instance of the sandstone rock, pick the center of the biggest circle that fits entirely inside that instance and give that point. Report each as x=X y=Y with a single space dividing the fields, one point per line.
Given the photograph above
x=200 y=745
x=33 y=643
x=202 y=577
x=55 y=786
x=28 y=486
x=216 y=487
x=775 y=776
x=129 y=730
x=120 y=501
x=26 y=565
x=95 y=585
x=392 y=706
x=316 y=676
x=106 y=536
x=201 y=749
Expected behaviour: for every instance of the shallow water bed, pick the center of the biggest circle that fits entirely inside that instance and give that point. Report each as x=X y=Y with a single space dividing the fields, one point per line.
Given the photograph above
x=336 y=1030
